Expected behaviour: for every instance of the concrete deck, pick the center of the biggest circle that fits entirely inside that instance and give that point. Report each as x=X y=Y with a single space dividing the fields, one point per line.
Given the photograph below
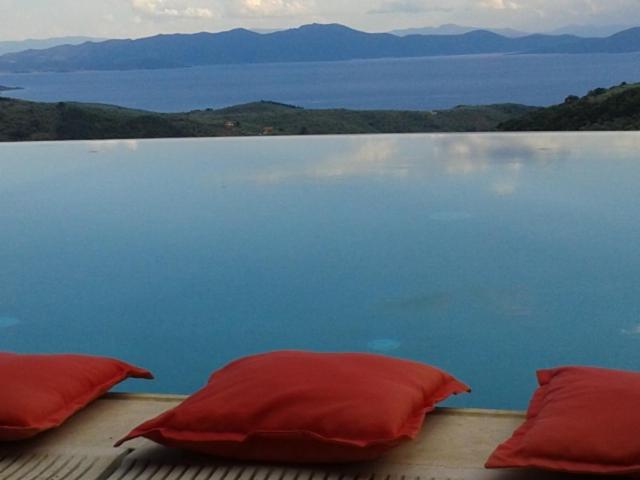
x=454 y=445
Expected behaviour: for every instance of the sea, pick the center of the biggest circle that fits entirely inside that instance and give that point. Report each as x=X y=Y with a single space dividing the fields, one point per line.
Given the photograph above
x=413 y=83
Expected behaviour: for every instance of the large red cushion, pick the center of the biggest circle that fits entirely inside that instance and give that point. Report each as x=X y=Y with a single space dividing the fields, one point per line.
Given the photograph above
x=580 y=420
x=294 y=406
x=39 y=392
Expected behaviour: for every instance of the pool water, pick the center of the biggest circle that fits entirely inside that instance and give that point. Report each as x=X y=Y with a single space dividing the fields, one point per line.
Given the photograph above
x=487 y=255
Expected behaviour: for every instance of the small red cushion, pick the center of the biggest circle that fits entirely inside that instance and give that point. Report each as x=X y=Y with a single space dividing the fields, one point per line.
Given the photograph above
x=300 y=407
x=39 y=392
x=580 y=420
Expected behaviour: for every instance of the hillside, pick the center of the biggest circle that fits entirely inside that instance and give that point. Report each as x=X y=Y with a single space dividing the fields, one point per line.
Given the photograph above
x=616 y=108
x=308 y=43
x=21 y=120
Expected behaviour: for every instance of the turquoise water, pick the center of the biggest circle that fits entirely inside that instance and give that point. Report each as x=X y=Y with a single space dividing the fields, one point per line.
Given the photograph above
x=488 y=255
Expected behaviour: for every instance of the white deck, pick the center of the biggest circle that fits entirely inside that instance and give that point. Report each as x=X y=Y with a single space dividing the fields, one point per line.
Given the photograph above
x=454 y=445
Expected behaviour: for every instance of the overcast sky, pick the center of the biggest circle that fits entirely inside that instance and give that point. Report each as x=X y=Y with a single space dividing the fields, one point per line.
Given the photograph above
x=136 y=18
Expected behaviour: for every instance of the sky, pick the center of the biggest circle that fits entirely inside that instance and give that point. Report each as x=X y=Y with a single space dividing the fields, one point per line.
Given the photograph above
x=22 y=19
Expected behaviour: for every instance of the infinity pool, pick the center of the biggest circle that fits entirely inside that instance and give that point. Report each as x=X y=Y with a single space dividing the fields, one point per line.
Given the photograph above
x=488 y=255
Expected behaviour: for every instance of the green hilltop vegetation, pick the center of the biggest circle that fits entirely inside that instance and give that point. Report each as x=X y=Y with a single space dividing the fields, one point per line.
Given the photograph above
x=31 y=121
x=617 y=108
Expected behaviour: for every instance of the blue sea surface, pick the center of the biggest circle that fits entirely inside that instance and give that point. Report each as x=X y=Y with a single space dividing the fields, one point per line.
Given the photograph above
x=489 y=255
x=414 y=83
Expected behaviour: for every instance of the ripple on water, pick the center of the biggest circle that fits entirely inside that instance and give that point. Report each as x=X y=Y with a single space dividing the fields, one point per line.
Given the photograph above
x=635 y=331
x=450 y=216
x=6 y=322
x=384 y=345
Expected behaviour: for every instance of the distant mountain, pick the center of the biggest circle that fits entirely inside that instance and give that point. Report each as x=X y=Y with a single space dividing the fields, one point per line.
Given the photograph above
x=21 y=45
x=590 y=30
x=624 y=42
x=309 y=43
x=453 y=29
x=584 y=31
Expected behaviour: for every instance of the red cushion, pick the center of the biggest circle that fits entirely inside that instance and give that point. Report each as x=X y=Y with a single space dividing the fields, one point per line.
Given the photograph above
x=39 y=392
x=304 y=407
x=580 y=420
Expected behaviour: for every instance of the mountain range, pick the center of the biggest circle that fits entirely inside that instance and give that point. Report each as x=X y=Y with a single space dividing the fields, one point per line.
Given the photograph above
x=589 y=30
x=41 y=43
x=577 y=30
x=453 y=29
x=309 y=43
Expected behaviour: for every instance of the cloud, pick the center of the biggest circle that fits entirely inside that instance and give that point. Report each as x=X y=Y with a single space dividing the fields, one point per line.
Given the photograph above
x=406 y=6
x=170 y=8
x=501 y=4
x=271 y=8
x=118 y=18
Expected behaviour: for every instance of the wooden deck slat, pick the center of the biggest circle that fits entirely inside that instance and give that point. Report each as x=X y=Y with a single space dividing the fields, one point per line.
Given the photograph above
x=452 y=446
x=55 y=466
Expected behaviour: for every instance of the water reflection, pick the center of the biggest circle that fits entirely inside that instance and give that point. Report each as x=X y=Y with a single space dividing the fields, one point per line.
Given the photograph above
x=430 y=302
x=102 y=146
x=502 y=156
x=450 y=216
x=53 y=162
x=368 y=156
x=632 y=331
x=505 y=302
x=468 y=154
x=6 y=322
x=384 y=345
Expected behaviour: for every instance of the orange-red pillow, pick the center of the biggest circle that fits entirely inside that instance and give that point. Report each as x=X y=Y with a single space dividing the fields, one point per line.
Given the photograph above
x=294 y=406
x=39 y=392
x=580 y=420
